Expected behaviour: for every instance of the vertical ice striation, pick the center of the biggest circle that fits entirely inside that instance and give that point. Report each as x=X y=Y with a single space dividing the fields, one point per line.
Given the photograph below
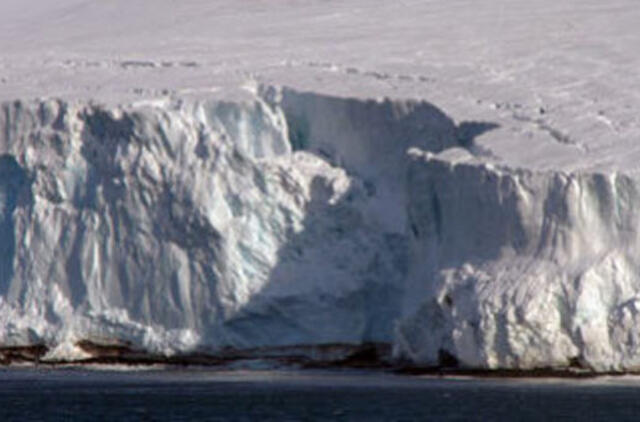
x=520 y=269
x=289 y=219
x=191 y=225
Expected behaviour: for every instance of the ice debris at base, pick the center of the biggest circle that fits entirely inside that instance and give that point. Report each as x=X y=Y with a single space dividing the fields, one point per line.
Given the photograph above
x=290 y=218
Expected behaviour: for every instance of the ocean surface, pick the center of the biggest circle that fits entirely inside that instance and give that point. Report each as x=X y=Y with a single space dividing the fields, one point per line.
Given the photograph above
x=116 y=394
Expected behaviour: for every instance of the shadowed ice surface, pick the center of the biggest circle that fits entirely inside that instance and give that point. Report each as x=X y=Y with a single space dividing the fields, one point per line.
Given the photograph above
x=12 y=180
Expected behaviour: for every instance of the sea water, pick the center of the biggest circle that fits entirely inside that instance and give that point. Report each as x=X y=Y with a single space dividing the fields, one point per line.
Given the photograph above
x=149 y=394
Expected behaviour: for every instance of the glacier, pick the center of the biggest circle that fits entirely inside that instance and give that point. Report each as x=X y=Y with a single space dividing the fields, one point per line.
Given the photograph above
x=439 y=185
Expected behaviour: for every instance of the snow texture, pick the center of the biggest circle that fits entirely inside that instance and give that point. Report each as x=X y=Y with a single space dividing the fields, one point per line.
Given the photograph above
x=201 y=176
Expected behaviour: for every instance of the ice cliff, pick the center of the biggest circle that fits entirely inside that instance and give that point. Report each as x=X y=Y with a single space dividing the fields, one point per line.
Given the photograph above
x=513 y=268
x=278 y=218
x=185 y=226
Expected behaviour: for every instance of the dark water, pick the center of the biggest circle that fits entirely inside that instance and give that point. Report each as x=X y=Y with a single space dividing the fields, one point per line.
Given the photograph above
x=202 y=394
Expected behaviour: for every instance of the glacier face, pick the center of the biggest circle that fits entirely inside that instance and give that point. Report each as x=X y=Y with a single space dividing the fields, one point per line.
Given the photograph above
x=191 y=226
x=513 y=268
x=278 y=218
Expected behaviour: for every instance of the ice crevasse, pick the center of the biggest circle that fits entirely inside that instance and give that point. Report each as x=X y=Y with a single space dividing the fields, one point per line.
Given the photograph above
x=281 y=218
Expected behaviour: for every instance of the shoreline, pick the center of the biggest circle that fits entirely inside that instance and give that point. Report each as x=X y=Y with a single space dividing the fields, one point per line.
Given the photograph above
x=371 y=357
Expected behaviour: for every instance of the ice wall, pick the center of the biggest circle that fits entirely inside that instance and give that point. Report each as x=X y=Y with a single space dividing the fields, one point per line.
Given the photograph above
x=192 y=226
x=520 y=269
x=289 y=219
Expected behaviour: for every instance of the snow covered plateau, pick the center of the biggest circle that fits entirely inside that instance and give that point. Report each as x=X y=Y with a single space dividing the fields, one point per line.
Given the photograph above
x=458 y=183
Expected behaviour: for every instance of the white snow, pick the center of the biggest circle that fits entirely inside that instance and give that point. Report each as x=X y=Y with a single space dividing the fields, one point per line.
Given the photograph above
x=453 y=179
